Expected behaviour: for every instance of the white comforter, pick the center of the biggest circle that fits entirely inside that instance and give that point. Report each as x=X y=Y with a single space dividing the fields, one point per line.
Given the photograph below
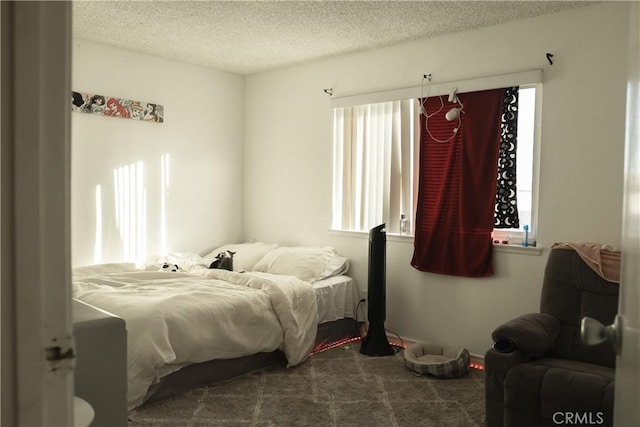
x=175 y=318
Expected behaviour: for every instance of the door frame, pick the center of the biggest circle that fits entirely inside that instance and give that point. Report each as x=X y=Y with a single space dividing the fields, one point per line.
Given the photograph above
x=627 y=380
x=35 y=257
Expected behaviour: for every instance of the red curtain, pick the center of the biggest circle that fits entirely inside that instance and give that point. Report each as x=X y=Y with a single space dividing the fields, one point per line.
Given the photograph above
x=457 y=187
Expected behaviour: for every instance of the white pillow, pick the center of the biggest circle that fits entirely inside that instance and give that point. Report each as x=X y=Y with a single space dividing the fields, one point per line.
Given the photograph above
x=336 y=265
x=180 y=258
x=247 y=254
x=306 y=263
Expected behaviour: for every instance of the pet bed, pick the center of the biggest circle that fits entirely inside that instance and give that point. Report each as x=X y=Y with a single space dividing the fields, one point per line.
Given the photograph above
x=436 y=360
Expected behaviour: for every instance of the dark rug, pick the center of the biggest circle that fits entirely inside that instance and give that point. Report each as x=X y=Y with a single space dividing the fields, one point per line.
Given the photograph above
x=338 y=387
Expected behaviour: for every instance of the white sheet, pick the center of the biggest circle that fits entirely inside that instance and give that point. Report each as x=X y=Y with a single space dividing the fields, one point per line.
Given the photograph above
x=175 y=318
x=337 y=298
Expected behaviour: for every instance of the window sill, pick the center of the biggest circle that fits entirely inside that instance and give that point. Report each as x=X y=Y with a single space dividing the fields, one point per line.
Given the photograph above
x=518 y=249
x=393 y=237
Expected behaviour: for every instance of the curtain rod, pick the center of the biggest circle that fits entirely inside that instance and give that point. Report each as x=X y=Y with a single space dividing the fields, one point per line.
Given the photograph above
x=442 y=88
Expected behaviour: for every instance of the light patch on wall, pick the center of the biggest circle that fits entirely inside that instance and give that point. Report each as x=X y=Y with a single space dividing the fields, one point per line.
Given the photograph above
x=164 y=193
x=97 y=253
x=131 y=210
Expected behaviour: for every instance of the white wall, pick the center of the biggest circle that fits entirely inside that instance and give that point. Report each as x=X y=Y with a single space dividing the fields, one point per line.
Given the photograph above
x=202 y=134
x=288 y=163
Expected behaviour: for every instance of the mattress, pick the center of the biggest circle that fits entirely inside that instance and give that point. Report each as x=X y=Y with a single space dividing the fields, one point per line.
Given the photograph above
x=336 y=298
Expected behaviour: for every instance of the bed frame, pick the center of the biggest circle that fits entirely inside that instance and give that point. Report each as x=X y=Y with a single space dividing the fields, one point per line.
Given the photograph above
x=101 y=367
x=101 y=363
x=216 y=371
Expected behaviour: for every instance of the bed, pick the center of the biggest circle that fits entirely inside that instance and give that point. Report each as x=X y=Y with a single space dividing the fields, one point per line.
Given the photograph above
x=198 y=325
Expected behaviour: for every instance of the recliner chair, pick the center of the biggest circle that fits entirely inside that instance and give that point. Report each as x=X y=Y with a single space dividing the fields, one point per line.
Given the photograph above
x=539 y=373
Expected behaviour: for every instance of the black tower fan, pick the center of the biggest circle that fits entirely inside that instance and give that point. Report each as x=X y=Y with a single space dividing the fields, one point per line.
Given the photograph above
x=376 y=343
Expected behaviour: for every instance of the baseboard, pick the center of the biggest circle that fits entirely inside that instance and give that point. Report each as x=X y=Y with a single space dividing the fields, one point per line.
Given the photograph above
x=476 y=361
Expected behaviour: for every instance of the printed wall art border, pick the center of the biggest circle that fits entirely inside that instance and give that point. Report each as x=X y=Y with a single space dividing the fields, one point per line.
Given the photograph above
x=116 y=107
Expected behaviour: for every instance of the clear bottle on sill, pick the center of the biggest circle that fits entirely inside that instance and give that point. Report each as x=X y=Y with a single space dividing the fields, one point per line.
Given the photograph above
x=403 y=224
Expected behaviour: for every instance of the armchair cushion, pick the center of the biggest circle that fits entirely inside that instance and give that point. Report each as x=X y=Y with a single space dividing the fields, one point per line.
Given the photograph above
x=533 y=334
x=543 y=392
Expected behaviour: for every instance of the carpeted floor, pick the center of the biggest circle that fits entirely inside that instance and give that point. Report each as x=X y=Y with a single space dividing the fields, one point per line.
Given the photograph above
x=339 y=387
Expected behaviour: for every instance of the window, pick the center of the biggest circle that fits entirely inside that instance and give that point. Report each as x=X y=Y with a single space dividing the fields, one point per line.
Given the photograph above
x=525 y=160
x=375 y=164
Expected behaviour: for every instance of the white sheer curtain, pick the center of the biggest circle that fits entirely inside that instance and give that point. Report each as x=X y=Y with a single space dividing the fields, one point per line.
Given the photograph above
x=374 y=165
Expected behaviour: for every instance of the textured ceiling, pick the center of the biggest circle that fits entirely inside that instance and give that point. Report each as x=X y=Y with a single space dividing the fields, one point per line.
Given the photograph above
x=252 y=36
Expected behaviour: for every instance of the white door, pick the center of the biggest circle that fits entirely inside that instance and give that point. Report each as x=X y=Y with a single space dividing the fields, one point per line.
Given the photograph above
x=37 y=335
x=627 y=393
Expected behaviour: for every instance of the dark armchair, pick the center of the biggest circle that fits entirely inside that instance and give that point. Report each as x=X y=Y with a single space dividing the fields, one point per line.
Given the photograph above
x=539 y=373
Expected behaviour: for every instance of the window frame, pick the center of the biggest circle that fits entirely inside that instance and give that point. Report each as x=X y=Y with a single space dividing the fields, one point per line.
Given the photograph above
x=516 y=236
x=525 y=79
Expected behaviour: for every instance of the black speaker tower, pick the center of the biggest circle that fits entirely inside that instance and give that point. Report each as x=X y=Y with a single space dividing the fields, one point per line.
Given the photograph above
x=376 y=342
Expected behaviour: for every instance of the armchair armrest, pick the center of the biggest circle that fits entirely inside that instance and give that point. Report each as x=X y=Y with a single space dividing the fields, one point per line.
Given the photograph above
x=532 y=334
x=516 y=341
x=496 y=367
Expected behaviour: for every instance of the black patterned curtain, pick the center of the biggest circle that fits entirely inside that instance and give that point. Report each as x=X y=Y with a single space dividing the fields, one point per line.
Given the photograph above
x=506 y=211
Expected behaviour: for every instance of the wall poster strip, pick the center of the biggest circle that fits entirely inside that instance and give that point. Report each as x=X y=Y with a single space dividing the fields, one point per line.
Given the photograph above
x=116 y=107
